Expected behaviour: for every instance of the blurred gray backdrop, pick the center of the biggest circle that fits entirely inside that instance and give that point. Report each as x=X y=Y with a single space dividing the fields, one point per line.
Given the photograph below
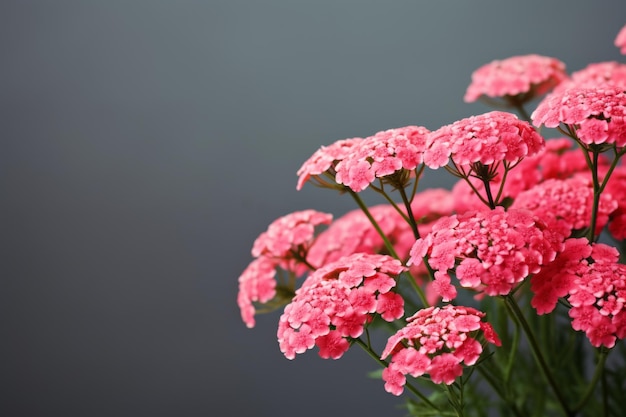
x=144 y=146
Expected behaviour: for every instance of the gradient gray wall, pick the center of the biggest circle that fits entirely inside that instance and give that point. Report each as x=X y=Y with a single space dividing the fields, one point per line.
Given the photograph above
x=145 y=144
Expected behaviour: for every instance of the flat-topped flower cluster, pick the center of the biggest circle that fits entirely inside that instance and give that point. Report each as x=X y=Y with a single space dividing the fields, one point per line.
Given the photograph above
x=518 y=234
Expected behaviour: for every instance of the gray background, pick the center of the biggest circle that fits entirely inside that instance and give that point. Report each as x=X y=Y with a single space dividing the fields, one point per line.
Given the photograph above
x=145 y=144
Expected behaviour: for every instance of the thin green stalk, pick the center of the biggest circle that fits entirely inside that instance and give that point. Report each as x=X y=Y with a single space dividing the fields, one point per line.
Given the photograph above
x=407 y=205
x=596 y=197
x=381 y=362
x=594 y=381
x=363 y=207
x=522 y=112
x=389 y=246
x=517 y=314
x=487 y=184
x=498 y=389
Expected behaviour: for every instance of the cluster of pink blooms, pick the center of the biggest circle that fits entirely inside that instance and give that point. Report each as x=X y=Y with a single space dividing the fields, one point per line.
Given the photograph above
x=565 y=204
x=436 y=341
x=596 y=75
x=488 y=139
x=354 y=233
x=324 y=161
x=547 y=193
x=490 y=251
x=616 y=187
x=382 y=155
x=596 y=115
x=284 y=245
x=532 y=75
x=595 y=286
x=336 y=301
x=620 y=40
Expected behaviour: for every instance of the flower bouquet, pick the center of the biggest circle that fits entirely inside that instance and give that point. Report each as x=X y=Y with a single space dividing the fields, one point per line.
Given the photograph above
x=505 y=294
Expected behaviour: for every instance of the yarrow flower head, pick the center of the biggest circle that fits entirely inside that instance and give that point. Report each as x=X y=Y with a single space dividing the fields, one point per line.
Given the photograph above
x=290 y=235
x=257 y=284
x=354 y=233
x=490 y=251
x=488 y=138
x=323 y=162
x=616 y=188
x=436 y=341
x=596 y=75
x=517 y=79
x=593 y=116
x=394 y=151
x=566 y=204
x=335 y=303
x=620 y=40
x=593 y=282
x=284 y=245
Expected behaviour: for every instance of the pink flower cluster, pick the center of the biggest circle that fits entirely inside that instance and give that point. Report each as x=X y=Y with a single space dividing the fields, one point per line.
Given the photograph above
x=335 y=303
x=532 y=75
x=595 y=286
x=436 y=341
x=566 y=204
x=323 y=161
x=289 y=235
x=354 y=233
x=382 y=155
x=596 y=75
x=596 y=115
x=490 y=251
x=488 y=139
x=285 y=245
x=256 y=284
x=616 y=187
x=620 y=40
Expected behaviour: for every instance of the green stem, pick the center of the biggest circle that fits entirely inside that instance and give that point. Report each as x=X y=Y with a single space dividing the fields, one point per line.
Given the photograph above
x=594 y=381
x=407 y=205
x=596 y=198
x=389 y=246
x=517 y=314
x=498 y=389
x=363 y=207
x=384 y=364
x=522 y=112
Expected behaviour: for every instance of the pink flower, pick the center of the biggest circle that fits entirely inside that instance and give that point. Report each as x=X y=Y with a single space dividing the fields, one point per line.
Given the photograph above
x=487 y=139
x=616 y=188
x=593 y=282
x=599 y=113
x=620 y=40
x=256 y=284
x=436 y=341
x=490 y=251
x=556 y=279
x=527 y=75
x=382 y=155
x=335 y=303
x=566 y=204
x=353 y=233
x=596 y=75
x=283 y=245
x=324 y=160
x=290 y=235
